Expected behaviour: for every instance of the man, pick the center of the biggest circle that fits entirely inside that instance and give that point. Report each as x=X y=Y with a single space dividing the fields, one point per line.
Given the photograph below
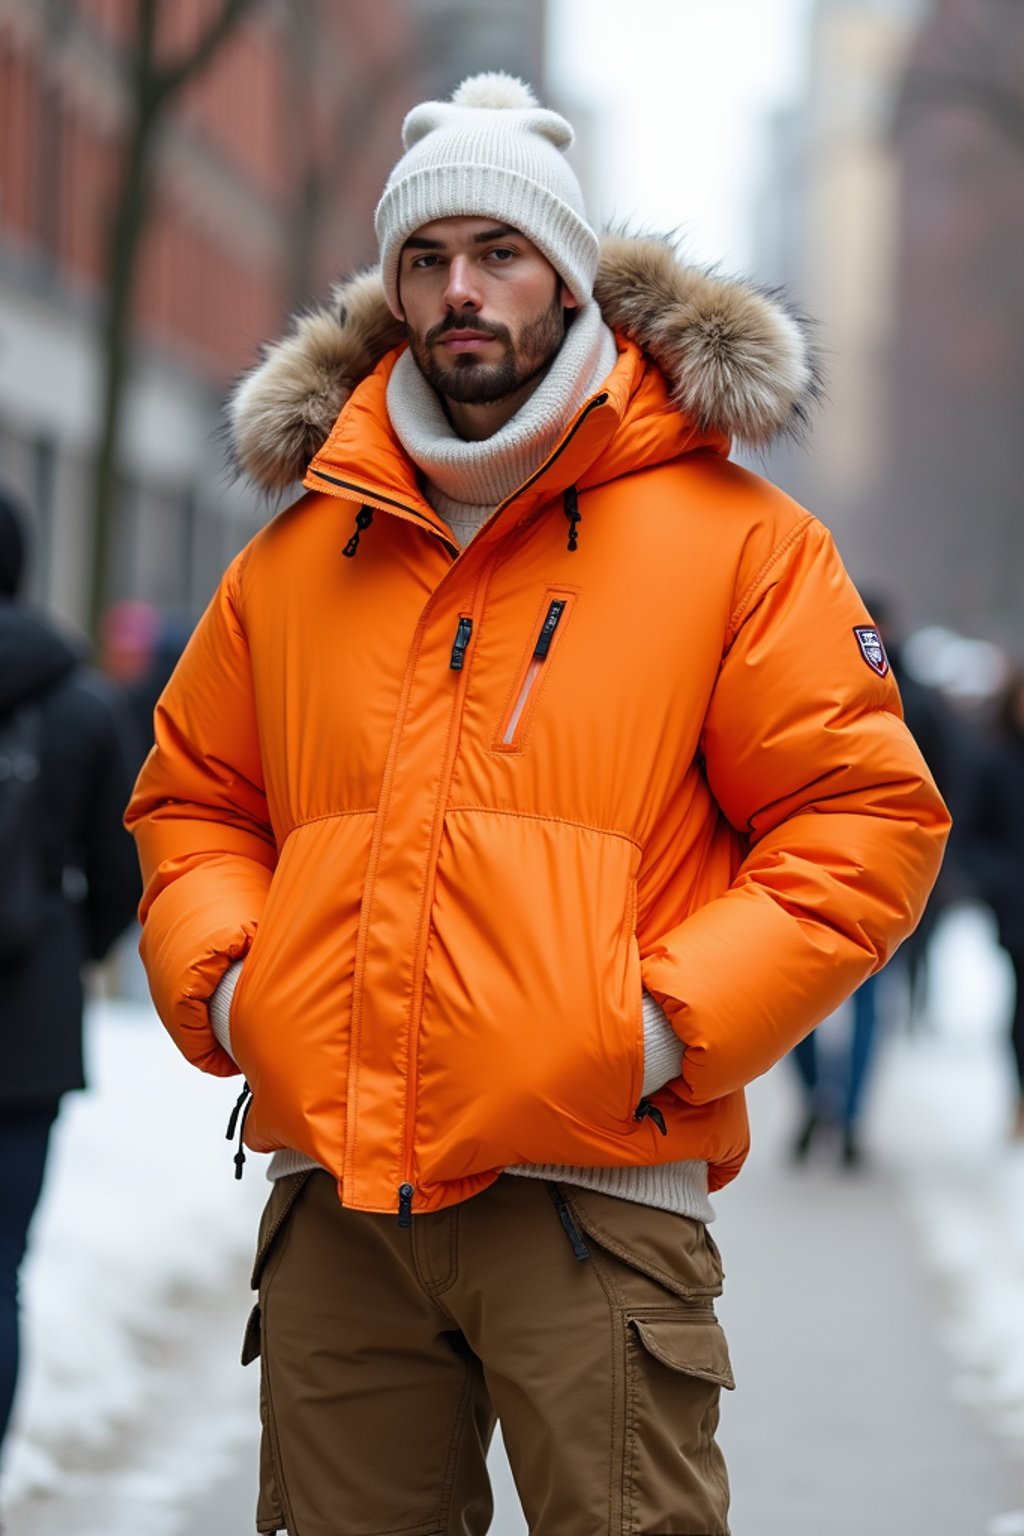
x=67 y=758
x=530 y=785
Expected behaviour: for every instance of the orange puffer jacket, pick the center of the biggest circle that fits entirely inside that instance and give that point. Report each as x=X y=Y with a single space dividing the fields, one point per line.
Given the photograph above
x=457 y=810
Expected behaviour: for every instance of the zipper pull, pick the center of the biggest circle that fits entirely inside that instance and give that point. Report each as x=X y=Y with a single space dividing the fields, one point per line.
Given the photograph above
x=645 y=1110
x=571 y=502
x=364 y=517
x=579 y=1248
x=405 y=1194
x=462 y=635
x=547 y=629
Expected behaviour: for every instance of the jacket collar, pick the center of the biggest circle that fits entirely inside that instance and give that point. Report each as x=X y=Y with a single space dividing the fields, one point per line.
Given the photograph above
x=736 y=363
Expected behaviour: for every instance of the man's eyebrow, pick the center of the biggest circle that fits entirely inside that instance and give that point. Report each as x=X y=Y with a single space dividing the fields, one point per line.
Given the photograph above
x=499 y=232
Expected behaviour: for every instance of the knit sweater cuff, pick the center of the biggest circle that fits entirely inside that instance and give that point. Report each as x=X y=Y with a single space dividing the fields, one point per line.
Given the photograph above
x=220 y=1006
x=663 y=1049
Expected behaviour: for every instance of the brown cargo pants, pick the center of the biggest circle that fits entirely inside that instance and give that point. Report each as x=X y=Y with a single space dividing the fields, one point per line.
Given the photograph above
x=585 y=1324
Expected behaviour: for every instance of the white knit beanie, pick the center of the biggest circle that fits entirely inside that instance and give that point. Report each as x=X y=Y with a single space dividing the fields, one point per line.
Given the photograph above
x=491 y=152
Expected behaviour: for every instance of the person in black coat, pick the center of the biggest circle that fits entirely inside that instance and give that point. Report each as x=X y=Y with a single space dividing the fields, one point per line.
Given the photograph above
x=90 y=888
x=995 y=852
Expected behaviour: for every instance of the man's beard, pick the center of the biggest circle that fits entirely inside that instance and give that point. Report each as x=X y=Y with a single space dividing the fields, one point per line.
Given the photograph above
x=469 y=380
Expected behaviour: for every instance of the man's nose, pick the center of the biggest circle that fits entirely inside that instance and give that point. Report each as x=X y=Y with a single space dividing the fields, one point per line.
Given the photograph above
x=461 y=291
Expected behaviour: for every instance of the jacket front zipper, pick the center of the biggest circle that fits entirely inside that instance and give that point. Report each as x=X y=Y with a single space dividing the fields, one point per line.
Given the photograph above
x=406 y=1190
x=536 y=666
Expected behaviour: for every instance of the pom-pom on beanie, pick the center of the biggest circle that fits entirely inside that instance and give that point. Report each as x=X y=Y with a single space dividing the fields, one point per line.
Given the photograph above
x=490 y=152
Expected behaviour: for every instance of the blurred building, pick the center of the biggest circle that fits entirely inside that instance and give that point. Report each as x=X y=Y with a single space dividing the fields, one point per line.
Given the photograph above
x=268 y=172
x=828 y=230
x=895 y=212
x=955 y=463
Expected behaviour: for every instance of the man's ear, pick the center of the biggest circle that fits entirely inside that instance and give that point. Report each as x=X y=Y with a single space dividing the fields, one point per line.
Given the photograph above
x=567 y=299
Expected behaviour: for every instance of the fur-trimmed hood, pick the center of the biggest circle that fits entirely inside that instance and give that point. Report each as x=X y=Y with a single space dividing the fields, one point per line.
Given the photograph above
x=737 y=358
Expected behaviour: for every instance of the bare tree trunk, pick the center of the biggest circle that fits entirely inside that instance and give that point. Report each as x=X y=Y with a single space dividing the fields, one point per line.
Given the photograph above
x=127 y=226
x=154 y=88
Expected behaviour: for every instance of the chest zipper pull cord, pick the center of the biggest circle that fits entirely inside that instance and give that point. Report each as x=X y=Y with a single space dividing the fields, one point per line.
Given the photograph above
x=645 y=1110
x=572 y=1231
x=571 y=500
x=239 y=1115
x=364 y=517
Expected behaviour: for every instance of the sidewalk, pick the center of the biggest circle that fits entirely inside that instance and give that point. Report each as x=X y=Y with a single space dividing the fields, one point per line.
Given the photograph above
x=876 y=1320
x=844 y=1422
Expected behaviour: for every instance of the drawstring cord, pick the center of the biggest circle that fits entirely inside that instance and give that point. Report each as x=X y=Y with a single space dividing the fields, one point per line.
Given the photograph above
x=573 y=513
x=364 y=517
x=239 y=1115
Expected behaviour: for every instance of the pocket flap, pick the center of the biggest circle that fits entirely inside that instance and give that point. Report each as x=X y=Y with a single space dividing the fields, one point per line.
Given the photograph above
x=282 y=1197
x=677 y=1251
x=251 y=1340
x=695 y=1346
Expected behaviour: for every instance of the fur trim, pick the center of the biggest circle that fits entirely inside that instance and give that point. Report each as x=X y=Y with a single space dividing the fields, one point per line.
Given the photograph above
x=738 y=359
x=282 y=412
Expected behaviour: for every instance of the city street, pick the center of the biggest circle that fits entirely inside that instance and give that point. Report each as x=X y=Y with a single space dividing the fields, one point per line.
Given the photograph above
x=874 y=1317
x=511 y=609
x=843 y=1420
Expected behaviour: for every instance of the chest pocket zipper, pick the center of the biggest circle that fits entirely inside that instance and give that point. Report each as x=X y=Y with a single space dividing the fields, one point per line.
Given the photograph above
x=511 y=733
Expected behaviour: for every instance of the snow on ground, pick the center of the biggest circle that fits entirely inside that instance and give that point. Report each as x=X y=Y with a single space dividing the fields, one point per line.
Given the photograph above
x=143 y=1226
x=141 y=1219
x=942 y=1112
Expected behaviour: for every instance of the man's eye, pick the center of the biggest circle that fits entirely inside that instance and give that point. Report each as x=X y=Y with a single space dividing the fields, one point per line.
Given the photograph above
x=501 y=253
x=424 y=261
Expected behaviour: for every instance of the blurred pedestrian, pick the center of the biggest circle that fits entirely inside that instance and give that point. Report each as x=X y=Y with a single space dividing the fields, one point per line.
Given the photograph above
x=527 y=788
x=66 y=756
x=945 y=741
x=994 y=847
x=139 y=648
x=834 y=1074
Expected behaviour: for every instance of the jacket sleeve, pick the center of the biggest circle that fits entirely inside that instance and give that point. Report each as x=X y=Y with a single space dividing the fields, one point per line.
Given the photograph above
x=200 y=819
x=843 y=829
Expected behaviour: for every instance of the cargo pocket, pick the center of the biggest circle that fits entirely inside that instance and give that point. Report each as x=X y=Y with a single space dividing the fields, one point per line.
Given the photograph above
x=693 y=1344
x=674 y=1477
x=283 y=1196
x=677 y=1252
x=271 y=1510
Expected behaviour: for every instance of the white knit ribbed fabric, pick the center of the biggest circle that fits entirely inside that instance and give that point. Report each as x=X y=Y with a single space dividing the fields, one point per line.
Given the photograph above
x=465 y=478
x=490 y=152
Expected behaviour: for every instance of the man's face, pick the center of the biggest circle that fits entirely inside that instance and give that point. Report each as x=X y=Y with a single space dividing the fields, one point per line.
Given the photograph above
x=484 y=310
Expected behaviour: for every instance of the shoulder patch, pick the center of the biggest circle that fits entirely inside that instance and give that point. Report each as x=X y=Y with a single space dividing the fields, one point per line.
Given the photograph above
x=871 y=648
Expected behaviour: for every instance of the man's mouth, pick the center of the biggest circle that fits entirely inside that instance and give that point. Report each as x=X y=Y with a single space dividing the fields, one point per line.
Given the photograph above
x=464 y=340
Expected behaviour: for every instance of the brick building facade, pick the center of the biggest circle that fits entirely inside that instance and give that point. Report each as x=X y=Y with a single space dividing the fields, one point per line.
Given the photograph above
x=268 y=172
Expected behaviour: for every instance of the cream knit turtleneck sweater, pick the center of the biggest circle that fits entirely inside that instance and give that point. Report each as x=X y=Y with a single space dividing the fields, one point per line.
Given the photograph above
x=464 y=482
